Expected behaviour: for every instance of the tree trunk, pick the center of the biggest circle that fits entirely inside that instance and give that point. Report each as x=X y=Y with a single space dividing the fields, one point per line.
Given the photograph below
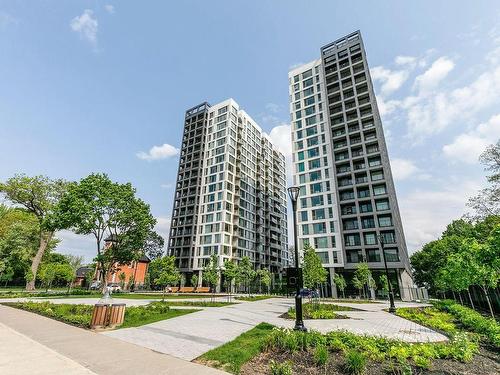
x=45 y=238
x=470 y=299
x=489 y=302
x=454 y=297
x=460 y=296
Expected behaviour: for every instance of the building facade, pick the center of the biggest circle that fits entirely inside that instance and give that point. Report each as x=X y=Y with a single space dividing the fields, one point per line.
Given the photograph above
x=230 y=197
x=340 y=161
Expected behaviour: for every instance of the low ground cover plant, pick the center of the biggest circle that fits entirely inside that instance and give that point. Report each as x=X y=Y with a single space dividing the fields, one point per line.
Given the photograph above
x=80 y=315
x=255 y=298
x=320 y=311
x=472 y=320
x=429 y=317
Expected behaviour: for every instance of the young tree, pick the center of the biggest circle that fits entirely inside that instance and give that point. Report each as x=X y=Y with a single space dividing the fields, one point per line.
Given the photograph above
x=230 y=273
x=246 y=273
x=358 y=284
x=168 y=274
x=40 y=196
x=211 y=273
x=89 y=275
x=47 y=274
x=264 y=277
x=340 y=283
x=363 y=274
x=75 y=262
x=131 y=283
x=313 y=272
x=100 y=207
x=384 y=284
x=194 y=281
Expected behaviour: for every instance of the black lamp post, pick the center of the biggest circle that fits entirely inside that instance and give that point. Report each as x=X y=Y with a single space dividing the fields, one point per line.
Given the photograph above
x=392 y=307
x=293 y=192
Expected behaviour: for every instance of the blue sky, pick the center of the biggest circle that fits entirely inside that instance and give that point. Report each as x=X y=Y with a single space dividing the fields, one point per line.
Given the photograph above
x=86 y=86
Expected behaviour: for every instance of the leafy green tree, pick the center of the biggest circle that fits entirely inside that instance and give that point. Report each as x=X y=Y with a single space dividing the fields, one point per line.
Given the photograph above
x=154 y=246
x=211 y=272
x=131 y=283
x=194 y=281
x=312 y=269
x=246 y=273
x=47 y=274
x=384 y=283
x=40 y=196
x=168 y=274
x=340 y=283
x=265 y=278
x=358 y=284
x=230 y=273
x=147 y=281
x=363 y=275
x=100 y=207
x=89 y=275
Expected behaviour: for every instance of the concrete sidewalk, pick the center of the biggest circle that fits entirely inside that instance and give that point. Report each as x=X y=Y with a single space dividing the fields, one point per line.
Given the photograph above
x=64 y=349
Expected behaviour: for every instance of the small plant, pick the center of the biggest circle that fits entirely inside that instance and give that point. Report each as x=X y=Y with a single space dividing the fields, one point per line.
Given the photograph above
x=321 y=355
x=284 y=368
x=355 y=362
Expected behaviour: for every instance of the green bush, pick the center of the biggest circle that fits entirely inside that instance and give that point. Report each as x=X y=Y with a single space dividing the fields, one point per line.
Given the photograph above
x=277 y=368
x=355 y=362
x=79 y=315
x=320 y=311
x=321 y=355
x=472 y=320
x=430 y=317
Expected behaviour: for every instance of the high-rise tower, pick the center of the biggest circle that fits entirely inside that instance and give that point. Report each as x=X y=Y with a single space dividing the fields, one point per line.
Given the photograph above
x=341 y=164
x=230 y=197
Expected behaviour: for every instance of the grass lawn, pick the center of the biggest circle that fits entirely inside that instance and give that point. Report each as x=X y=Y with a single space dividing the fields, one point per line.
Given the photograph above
x=80 y=315
x=199 y=303
x=350 y=300
x=319 y=311
x=255 y=298
x=159 y=296
x=232 y=355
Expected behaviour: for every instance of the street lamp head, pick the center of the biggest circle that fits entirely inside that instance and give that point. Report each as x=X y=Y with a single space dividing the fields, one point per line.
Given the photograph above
x=293 y=192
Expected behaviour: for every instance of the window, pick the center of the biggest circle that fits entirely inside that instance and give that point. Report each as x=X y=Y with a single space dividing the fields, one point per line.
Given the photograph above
x=323 y=255
x=350 y=224
x=388 y=237
x=301 y=155
x=368 y=222
x=379 y=190
x=392 y=255
x=374 y=162
x=370 y=238
x=363 y=193
x=310 y=110
x=308 y=91
x=311 y=120
x=319 y=228
x=345 y=195
x=315 y=176
x=313 y=152
x=318 y=214
x=385 y=221
x=373 y=255
x=352 y=240
x=317 y=200
x=300 y=167
x=305 y=229
x=313 y=141
x=303 y=215
x=382 y=205
x=365 y=207
x=316 y=188
x=354 y=256
x=348 y=209
x=307 y=74
x=377 y=175
x=308 y=82
x=308 y=101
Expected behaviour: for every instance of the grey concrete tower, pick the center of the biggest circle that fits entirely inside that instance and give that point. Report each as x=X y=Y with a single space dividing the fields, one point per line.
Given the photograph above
x=341 y=162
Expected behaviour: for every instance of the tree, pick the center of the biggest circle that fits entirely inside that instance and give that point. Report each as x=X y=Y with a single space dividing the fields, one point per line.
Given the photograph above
x=194 y=281
x=100 y=207
x=40 y=196
x=246 y=273
x=363 y=275
x=154 y=246
x=47 y=274
x=230 y=273
x=211 y=272
x=89 y=275
x=131 y=283
x=384 y=284
x=313 y=272
x=75 y=262
x=358 y=284
x=340 y=283
x=487 y=202
x=264 y=276
x=168 y=273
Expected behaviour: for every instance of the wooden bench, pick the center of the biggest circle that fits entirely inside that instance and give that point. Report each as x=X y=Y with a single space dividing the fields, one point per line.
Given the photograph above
x=173 y=290
x=203 y=289
x=186 y=289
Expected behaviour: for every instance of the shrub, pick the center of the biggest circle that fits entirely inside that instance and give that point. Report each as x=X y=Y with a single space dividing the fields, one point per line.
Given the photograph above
x=320 y=311
x=472 y=320
x=284 y=368
x=321 y=355
x=430 y=317
x=355 y=362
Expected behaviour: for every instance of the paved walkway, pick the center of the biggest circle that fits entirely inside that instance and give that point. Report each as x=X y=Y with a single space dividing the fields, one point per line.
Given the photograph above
x=191 y=335
x=33 y=344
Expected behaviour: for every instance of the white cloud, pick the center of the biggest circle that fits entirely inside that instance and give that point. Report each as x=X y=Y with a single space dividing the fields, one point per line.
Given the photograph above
x=431 y=78
x=468 y=146
x=281 y=137
x=162 y=227
x=426 y=213
x=158 y=152
x=7 y=19
x=272 y=107
x=405 y=60
x=109 y=8
x=86 y=25
x=77 y=244
x=391 y=80
x=402 y=169
x=386 y=107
